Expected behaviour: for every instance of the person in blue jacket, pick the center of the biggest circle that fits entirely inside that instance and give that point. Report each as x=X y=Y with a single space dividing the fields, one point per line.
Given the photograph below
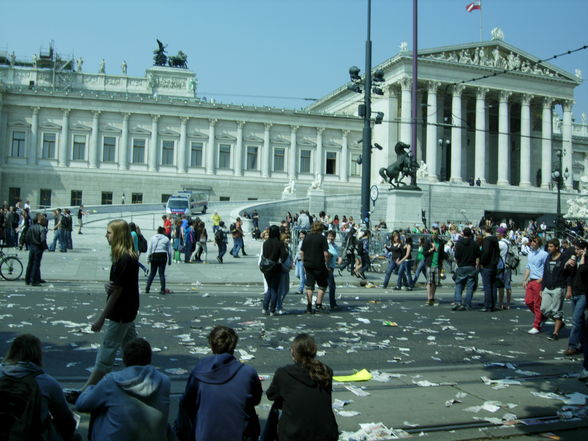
x=131 y=404
x=25 y=358
x=220 y=397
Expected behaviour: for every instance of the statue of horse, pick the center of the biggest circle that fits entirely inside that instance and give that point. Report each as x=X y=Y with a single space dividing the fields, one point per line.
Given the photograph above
x=179 y=60
x=404 y=166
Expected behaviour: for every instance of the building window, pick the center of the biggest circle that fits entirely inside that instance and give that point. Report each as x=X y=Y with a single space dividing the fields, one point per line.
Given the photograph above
x=196 y=154
x=252 y=158
x=224 y=156
x=355 y=167
x=106 y=198
x=136 y=198
x=79 y=148
x=76 y=197
x=224 y=198
x=331 y=163
x=279 y=159
x=108 y=149
x=13 y=195
x=165 y=197
x=138 y=151
x=304 y=161
x=18 y=144
x=48 y=151
x=167 y=152
x=45 y=198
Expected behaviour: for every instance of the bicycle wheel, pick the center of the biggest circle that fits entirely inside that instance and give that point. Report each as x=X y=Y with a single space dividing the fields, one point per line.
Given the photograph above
x=11 y=268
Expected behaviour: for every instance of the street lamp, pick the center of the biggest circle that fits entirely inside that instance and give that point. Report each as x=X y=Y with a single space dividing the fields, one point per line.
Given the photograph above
x=559 y=179
x=365 y=112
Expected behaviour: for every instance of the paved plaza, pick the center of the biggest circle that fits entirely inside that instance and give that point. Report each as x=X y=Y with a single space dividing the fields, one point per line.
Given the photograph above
x=449 y=375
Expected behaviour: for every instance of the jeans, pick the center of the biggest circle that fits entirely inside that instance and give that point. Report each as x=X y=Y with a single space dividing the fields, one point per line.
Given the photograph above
x=392 y=265
x=283 y=289
x=421 y=268
x=332 y=288
x=58 y=236
x=116 y=336
x=270 y=298
x=404 y=276
x=301 y=274
x=158 y=262
x=188 y=248
x=222 y=249
x=578 y=321
x=33 y=274
x=237 y=245
x=489 y=281
x=68 y=240
x=465 y=276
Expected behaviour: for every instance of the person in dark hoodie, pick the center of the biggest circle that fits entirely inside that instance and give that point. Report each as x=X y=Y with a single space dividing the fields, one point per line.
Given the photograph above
x=303 y=393
x=220 y=397
x=131 y=404
x=467 y=255
x=489 y=263
x=25 y=358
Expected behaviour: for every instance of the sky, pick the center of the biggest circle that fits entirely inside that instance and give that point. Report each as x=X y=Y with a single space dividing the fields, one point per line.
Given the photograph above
x=278 y=52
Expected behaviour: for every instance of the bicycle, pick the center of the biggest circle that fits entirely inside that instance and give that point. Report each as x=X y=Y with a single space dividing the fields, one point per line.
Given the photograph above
x=10 y=266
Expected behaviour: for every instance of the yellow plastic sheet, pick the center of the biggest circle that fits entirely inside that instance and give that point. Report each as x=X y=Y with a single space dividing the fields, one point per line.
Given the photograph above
x=362 y=375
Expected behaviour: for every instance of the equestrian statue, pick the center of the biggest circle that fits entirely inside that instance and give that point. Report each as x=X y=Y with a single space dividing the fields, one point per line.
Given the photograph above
x=404 y=166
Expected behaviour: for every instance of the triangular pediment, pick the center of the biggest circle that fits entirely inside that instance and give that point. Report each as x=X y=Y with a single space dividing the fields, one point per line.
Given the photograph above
x=140 y=131
x=168 y=132
x=226 y=137
x=307 y=141
x=20 y=123
x=78 y=126
x=50 y=126
x=253 y=138
x=197 y=134
x=107 y=128
x=280 y=140
x=495 y=55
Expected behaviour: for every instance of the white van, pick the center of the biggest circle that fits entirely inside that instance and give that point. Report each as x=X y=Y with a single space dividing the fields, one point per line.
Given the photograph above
x=186 y=202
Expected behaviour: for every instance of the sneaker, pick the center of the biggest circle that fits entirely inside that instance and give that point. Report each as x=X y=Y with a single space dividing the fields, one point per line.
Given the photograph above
x=265 y=312
x=397 y=288
x=218 y=259
x=456 y=308
x=430 y=302
x=272 y=314
x=583 y=375
x=533 y=331
x=553 y=337
x=309 y=309
x=319 y=308
x=281 y=312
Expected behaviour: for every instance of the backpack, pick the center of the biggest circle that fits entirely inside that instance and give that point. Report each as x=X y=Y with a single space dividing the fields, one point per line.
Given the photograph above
x=220 y=236
x=142 y=243
x=512 y=260
x=20 y=408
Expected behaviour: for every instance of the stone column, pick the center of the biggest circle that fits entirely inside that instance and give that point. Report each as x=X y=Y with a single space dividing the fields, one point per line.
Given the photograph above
x=526 y=141
x=210 y=165
x=182 y=147
x=293 y=154
x=456 y=132
x=432 y=130
x=34 y=146
x=566 y=142
x=503 y=147
x=480 y=160
x=63 y=159
x=344 y=174
x=265 y=161
x=153 y=147
x=585 y=173
x=405 y=110
x=93 y=151
x=239 y=149
x=319 y=164
x=123 y=148
x=546 y=146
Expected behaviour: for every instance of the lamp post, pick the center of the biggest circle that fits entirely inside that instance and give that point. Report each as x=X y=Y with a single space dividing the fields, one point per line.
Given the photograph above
x=559 y=179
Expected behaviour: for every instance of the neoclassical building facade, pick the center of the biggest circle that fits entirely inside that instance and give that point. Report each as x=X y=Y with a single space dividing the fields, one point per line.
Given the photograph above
x=72 y=137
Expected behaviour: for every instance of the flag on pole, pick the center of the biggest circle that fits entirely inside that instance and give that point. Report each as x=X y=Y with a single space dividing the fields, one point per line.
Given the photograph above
x=473 y=6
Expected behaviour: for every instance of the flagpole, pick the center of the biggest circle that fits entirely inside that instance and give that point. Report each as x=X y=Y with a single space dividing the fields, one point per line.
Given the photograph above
x=481 y=28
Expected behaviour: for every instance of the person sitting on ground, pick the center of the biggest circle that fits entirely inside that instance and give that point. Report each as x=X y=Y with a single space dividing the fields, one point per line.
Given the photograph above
x=220 y=397
x=131 y=404
x=303 y=393
x=53 y=421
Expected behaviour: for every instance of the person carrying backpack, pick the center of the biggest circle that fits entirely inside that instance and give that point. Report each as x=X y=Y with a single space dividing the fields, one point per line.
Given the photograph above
x=504 y=269
x=32 y=404
x=220 y=239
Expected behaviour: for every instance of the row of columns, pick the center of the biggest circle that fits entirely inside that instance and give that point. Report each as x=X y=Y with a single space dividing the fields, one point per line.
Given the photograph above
x=481 y=122
x=184 y=149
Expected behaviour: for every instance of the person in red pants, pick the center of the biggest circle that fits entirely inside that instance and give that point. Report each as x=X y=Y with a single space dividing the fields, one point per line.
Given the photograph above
x=532 y=282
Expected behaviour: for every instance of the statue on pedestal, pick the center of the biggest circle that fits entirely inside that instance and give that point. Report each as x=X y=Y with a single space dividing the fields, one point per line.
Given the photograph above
x=123 y=67
x=318 y=181
x=404 y=166
x=179 y=60
x=289 y=189
x=102 y=68
x=160 y=59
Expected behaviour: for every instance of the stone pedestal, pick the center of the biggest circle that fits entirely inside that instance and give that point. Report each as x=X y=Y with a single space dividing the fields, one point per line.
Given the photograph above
x=403 y=208
x=286 y=196
x=316 y=201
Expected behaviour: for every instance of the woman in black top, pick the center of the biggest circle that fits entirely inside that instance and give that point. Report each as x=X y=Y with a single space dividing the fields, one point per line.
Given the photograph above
x=273 y=249
x=303 y=392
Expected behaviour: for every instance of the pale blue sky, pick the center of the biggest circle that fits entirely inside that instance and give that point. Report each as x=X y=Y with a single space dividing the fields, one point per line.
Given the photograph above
x=282 y=48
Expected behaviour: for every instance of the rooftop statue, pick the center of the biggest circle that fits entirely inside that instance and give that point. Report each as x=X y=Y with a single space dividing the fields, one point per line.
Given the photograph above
x=404 y=166
x=160 y=59
x=179 y=60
